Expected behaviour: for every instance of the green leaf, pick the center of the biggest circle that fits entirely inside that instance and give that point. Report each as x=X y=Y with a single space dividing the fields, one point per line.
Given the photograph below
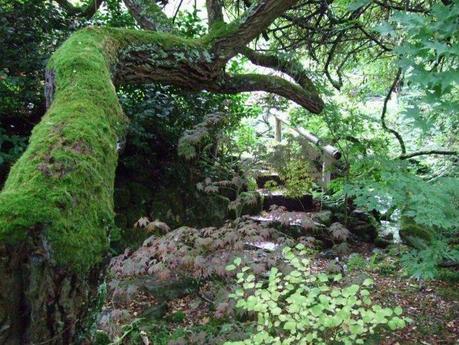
x=290 y=325
x=368 y=282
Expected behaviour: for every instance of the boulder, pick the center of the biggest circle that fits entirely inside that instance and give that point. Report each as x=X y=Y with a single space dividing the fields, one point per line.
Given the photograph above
x=363 y=225
x=383 y=241
x=415 y=235
x=323 y=217
x=338 y=232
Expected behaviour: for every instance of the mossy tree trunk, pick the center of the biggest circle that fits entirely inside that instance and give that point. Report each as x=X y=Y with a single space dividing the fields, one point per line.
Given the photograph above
x=56 y=208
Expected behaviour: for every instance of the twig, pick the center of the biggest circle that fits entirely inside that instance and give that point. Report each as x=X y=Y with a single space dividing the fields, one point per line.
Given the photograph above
x=429 y=152
x=384 y=111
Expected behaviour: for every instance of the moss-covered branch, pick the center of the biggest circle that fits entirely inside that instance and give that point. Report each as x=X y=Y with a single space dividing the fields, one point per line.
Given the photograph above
x=227 y=38
x=62 y=186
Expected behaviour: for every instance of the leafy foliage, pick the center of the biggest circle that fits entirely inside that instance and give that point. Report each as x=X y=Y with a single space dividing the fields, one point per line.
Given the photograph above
x=297 y=178
x=299 y=307
x=29 y=32
x=423 y=263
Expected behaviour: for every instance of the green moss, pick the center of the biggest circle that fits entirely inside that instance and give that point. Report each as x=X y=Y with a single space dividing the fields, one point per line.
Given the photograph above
x=219 y=30
x=61 y=189
x=415 y=235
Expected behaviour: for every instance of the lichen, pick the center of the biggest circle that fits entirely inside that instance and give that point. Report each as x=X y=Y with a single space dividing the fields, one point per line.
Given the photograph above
x=61 y=190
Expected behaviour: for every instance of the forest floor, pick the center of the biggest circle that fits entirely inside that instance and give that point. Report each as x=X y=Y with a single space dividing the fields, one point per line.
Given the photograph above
x=432 y=305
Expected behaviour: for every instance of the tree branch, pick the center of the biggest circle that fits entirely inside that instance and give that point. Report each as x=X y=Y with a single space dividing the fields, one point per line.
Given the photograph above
x=214 y=12
x=292 y=68
x=429 y=152
x=84 y=12
x=330 y=55
x=259 y=82
x=240 y=32
x=149 y=15
x=384 y=111
x=373 y=38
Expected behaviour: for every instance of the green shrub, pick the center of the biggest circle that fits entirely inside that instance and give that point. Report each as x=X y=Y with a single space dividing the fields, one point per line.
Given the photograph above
x=301 y=307
x=297 y=178
x=356 y=262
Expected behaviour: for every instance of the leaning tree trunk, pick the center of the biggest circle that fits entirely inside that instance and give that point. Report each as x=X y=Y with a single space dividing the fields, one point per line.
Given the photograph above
x=56 y=207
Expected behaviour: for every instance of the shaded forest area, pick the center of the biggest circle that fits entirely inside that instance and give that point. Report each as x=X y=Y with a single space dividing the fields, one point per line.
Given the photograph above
x=229 y=172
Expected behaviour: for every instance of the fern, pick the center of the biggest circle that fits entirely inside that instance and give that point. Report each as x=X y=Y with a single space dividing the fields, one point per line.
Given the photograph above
x=199 y=253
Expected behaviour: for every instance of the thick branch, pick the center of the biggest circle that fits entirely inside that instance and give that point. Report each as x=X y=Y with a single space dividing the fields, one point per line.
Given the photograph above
x=149 y=15
x=240 y=32
x=291 y=68
x=86 y=12
x=214 y=12
x=272 y=84
x=384 y=111
x=155 y=63
x=429 y=152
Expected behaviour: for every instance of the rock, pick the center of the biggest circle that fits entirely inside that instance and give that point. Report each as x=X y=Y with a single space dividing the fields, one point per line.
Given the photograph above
x=264 y=178
x=363 y=225
x=323 y=217
x=124 y=293
x=278 y=198
x=254 y=208
x=149 y=241
x=377 y=251
x=334 y=267
x=158 y=227
x=169 y=289
x=328 y=254
x=155 y=312
x=338 y=232
x=111 y=321
x=355 y=278
x=342 y=249
x=336 y=251
x=415 y=235
x=383 y=241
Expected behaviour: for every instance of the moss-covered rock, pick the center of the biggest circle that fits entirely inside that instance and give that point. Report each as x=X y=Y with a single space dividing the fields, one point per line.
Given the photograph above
x=413 y=234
